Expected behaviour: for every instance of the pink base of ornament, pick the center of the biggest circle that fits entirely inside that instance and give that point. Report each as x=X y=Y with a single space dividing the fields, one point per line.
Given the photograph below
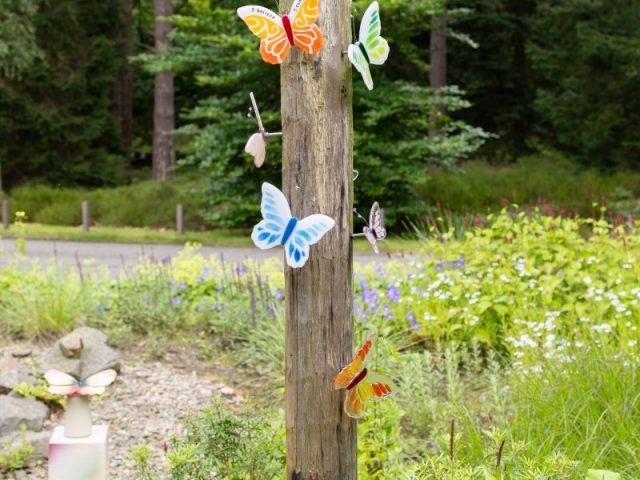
x=79 y=458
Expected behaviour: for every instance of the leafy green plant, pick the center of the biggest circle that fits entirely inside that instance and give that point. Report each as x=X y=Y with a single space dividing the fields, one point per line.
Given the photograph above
x=12 y=459
x=218 y=443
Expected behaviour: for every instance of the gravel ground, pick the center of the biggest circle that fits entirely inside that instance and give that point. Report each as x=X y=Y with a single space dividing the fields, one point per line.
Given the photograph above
x=145 y=406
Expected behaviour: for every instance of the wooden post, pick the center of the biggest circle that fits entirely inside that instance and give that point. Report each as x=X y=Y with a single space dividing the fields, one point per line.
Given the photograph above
x=85 y=215
x=317 y=124
x=5 y=214
x=179 y=219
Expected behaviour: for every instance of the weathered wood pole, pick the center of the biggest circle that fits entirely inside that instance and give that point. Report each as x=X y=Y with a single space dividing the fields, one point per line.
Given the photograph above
x=85 y=215
x=179 y=219
x=5 y=214
x=317 y=124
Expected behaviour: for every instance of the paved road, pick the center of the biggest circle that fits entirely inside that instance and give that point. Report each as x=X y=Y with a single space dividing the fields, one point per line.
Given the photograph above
x=117 y=255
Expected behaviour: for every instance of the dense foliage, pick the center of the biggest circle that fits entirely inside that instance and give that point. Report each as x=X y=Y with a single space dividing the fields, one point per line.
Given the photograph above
x=57 y=121
x=560 y=73
x=539 y=75
x=215 y=49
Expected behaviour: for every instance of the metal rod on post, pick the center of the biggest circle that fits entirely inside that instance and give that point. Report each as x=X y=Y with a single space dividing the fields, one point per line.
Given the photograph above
x=85 y=215
x=179 y=219
x=317 y=123
x=5 y=214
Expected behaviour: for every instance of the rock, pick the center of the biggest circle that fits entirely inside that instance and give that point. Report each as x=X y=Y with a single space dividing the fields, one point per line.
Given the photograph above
x=95 y=354
x=71 y=346
x=21 y=411
x=12 y=373
x=20 y=352
x=227 y=391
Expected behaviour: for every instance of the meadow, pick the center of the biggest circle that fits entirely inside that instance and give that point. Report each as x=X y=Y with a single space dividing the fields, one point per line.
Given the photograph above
x=514 y=346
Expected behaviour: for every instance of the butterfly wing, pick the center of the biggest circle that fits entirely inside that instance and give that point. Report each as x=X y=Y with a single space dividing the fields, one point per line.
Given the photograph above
x=306 y=34
x=267 y=26
x=360 y=62
x=373 y=387
x=257 y=148
x=370 y=235
x=307 y=231
x=370 y=28
x=348 y=373
x=95 y=384
x=375 y=222
x=61 y=383
x=276 y=215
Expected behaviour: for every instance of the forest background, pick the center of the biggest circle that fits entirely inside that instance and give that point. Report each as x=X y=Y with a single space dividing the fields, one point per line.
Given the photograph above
x=480 y=103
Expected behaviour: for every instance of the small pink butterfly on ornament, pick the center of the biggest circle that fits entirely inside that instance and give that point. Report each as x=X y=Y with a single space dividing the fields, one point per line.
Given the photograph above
x=373 y=231
x=61 y=383
x=257 y=144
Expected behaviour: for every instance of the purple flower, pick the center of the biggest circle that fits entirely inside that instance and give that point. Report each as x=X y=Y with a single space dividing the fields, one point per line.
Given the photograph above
x=392 y=293
x=415 y=325
x=278 y=294
x=176 y=301
x=411 y=317
x=241 y=269
x=183 y=286
x=439 y=265
x=389 y=316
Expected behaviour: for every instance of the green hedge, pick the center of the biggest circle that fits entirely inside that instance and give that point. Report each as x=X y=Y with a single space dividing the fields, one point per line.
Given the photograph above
x=144 y=204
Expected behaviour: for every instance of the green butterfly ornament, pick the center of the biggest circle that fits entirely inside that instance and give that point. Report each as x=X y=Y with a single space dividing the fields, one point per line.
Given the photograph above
x=370 y=47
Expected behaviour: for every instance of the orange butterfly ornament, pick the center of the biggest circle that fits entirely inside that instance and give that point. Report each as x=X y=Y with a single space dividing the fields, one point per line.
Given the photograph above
x=279 y=34
x=361 y=384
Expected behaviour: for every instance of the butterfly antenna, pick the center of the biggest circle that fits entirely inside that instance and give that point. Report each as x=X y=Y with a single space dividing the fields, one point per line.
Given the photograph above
x=353 y=29
x=360 y=216
x=277 y=5
x=256 y=112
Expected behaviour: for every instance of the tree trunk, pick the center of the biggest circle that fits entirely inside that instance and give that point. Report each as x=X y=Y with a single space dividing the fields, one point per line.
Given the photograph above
x=164 y=154
x=123 y=87
x=438 y=63
x=317 y=124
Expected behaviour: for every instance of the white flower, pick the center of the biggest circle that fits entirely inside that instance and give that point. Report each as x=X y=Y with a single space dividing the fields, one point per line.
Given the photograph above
x=587 y=280
x=604 y=328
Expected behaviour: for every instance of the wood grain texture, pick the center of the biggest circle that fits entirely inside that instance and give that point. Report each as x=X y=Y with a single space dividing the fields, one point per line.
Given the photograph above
x=317 y=125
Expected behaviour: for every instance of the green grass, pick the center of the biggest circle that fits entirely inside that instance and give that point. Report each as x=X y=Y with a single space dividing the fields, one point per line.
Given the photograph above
x=217 y=238
x=557 y=182
x=129 y=235
x=143 y=204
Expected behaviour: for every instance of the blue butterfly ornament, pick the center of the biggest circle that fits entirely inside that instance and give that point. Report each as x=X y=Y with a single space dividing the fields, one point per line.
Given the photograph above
x=279 y=227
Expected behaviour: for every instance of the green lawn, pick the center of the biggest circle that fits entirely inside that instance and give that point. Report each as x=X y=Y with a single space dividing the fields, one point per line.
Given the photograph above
x=218 y=238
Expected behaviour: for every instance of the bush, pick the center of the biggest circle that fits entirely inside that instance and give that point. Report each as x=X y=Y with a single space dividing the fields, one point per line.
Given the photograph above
x=547 y=179
x=218 y=444
x=144 y=204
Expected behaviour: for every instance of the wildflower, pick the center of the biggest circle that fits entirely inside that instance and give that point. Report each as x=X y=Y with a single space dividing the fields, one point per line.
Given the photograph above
x=241 y=269
x=415 y=325
x=278 y=294
x=411 y=317
x=183 y=286
x=505 y=202
x=392 y=293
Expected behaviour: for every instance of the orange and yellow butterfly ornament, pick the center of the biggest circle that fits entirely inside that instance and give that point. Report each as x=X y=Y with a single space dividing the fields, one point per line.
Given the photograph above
x=362 y=385
x=278 y=34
